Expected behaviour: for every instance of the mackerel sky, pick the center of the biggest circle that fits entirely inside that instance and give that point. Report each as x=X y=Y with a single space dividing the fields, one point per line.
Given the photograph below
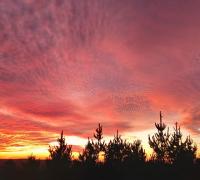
x=70 y=64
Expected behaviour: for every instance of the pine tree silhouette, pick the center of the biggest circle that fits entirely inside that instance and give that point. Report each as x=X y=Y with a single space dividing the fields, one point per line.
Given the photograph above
x=61 y=153
x=93 y=148
x=98 y=135
x=160 y=141
x=135 y=154
x=123 y=160
x=116 y=151
x=181 y=151
x=89 y=155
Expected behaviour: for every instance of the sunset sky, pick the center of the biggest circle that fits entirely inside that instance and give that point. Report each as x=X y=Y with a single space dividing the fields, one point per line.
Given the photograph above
x=71 y=64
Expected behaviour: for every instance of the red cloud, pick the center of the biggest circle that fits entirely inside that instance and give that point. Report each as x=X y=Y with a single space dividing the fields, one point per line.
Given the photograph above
x=70 y=65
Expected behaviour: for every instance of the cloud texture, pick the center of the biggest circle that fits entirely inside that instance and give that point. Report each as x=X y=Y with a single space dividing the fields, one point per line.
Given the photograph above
x=71 y=64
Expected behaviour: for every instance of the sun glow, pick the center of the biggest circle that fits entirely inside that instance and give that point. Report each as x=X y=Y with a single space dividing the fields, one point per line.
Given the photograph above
x=78 y=143
x=40 y=152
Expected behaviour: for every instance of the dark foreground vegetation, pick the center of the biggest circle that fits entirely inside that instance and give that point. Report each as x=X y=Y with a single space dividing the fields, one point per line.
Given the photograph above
x=174 y=157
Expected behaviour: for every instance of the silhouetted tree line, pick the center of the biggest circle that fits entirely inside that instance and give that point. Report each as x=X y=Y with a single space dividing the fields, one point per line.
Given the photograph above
x=173 y=157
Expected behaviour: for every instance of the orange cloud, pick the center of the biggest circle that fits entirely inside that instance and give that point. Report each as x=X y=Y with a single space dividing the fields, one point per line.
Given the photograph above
x=69 y=65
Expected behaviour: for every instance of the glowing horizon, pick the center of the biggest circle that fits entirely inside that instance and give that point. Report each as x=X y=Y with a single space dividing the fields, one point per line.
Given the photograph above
x=41 y=152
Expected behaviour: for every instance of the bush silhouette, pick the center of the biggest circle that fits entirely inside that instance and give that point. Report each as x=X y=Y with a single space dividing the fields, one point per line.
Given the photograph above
x=31 y=167
x=32 y=164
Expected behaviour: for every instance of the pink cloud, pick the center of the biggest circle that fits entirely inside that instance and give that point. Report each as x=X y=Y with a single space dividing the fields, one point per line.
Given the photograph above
x=69 y=65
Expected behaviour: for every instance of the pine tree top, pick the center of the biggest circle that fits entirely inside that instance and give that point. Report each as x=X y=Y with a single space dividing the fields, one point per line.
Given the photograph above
x=160 y=126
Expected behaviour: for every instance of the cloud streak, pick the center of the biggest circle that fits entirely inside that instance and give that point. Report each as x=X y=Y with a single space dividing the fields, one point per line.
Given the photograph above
x=71 y=64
